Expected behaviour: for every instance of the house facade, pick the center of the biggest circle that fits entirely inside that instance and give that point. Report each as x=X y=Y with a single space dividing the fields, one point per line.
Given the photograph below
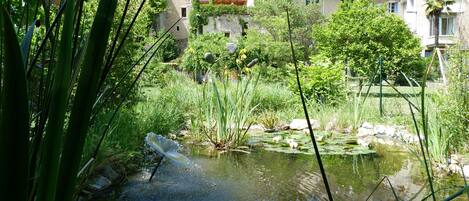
x=454 y=23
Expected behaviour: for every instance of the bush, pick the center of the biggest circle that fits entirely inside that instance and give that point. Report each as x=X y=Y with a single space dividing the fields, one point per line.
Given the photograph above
x=264 y=48
x=215 y=43
x=323 y=82
x=169 y=49
x=360 y=32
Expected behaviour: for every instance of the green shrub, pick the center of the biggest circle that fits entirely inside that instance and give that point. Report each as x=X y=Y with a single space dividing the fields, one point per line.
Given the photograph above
x=215 y=43
x=361 y=32
x=416 y=71
x=263 y=47
x=169 y=49
x=322 y=82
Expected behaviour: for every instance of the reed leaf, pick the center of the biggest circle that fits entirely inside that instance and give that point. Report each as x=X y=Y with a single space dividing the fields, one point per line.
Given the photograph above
x=26 y=43
x=52 y=142
x=14 y=117
x=85 y=98
x=303 y=101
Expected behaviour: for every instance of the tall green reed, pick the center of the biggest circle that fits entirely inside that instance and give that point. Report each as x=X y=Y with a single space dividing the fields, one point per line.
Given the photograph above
x=226 y=107
x=14 y=117
x=44 y=112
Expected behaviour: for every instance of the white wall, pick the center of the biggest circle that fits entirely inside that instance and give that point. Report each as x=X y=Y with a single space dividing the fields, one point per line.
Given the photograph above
x=226 y=24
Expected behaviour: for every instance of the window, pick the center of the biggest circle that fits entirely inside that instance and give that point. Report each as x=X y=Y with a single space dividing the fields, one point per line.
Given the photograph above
x=411 y=5
x=393 y=7
x=177 y=28
x=446 y=25
x=227 y=34
x=183 y=12
x=311 y=1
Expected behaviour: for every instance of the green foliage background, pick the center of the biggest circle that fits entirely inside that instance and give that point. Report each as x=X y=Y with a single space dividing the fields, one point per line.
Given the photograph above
x=360 y=32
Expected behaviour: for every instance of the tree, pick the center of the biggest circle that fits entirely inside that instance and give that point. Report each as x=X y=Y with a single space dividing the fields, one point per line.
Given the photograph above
x=360 y=32
x=271 y=15
x=434 y=8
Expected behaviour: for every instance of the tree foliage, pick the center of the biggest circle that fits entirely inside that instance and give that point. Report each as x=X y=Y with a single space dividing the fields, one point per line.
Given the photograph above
x=271 y=15
x=360 y=32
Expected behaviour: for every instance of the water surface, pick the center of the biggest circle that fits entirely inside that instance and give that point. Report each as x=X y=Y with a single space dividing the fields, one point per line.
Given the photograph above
x=264 y=175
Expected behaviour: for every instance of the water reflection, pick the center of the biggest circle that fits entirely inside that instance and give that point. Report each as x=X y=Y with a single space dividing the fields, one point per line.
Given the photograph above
x=264 y=175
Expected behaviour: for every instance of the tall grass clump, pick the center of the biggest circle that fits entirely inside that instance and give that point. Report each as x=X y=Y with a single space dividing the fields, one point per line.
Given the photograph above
x=453 y=103
x=167 y=109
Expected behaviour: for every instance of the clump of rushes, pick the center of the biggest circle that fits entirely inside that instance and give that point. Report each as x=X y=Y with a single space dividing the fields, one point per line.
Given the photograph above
x=227 y=109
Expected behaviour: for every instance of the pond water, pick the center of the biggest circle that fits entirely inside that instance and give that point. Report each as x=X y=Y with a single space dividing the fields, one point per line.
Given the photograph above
x=266 y=175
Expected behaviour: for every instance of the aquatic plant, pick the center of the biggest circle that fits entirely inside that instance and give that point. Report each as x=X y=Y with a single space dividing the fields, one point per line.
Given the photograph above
x=226 y=110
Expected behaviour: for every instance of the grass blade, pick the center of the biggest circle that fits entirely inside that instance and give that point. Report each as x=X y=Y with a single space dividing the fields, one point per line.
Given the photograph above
x=85 y=98
x=14 y=117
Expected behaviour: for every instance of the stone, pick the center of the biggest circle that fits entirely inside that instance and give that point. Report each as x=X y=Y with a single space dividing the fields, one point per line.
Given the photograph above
x=331 y=125
x=183 y=133
x=99 y=183
x=256 y=127
x=367 y=125
x=465 y=170
x=454 y=169
x=285 y=127
x=390 y=131
x=455 y=159
x=172 y=136
x=362 y=132
x=348 y=130
x=379 y=130
x=300 y=124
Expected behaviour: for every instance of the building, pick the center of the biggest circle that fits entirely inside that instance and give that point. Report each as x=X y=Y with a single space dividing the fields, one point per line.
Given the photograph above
x=454 y=23
x=228 y=24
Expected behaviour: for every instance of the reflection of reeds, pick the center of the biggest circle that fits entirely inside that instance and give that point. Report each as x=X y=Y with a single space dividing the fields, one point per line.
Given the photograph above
x=303 y=102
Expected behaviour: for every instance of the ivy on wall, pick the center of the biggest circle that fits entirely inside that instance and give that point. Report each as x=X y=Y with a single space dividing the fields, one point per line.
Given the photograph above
x=201 y=12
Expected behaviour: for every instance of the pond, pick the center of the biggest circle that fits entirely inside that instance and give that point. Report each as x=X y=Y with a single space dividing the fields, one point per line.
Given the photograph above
x=267 y=175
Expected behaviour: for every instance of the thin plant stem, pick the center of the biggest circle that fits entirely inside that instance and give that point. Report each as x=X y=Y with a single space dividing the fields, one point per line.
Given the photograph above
x=429 y=177
x=316 y=150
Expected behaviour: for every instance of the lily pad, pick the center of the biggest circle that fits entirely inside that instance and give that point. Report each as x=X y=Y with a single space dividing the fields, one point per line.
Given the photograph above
x=330 y=144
